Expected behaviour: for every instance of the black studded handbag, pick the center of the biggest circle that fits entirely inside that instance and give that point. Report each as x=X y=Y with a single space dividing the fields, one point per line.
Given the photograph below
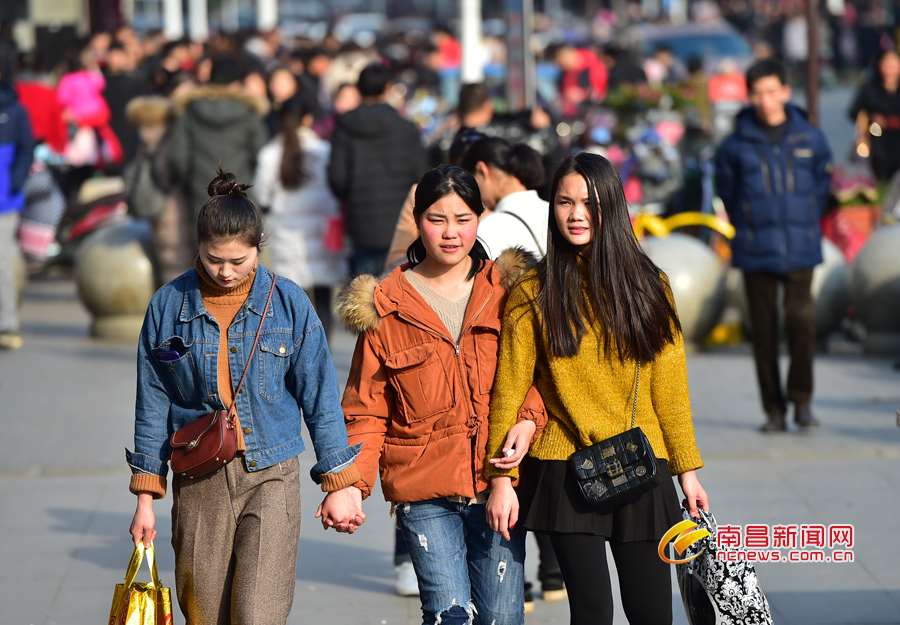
x=618 y=469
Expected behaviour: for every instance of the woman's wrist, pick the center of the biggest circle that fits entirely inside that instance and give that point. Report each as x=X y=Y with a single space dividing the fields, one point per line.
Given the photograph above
x=501 y=482
x=145 y=499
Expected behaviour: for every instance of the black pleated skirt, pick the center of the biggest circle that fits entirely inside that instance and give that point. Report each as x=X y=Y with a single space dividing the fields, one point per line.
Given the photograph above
x=550 y=501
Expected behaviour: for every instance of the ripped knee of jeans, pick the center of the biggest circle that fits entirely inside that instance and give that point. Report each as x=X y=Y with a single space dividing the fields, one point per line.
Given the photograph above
x=456 y=614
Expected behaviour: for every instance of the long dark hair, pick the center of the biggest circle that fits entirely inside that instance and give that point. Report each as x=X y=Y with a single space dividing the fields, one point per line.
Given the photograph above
x=438 y=183
x=290 y=118
x=229 y=214
x=517 y=160
x=624 y=290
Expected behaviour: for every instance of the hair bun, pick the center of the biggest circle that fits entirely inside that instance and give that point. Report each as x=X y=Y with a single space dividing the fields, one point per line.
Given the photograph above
x=226 y=183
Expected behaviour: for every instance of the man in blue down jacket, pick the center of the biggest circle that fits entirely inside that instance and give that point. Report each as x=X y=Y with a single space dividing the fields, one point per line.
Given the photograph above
x=773 y=174
x=16 y=154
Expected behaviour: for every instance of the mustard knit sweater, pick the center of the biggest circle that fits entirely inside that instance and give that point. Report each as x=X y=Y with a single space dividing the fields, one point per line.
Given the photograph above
x=588 y=396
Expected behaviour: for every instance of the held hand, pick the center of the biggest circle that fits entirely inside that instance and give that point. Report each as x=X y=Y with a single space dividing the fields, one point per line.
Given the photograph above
x=502 y=508
x=144 y=521
x=694 y=495
x=518 y=439
x=342 y=510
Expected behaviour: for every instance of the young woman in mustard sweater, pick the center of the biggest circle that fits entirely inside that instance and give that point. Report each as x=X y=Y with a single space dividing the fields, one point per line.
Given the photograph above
x=576 y=327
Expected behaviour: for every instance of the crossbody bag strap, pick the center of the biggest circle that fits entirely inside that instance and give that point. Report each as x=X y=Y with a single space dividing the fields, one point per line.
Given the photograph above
x=637 y=381
x=253 y=349
x=530 y=231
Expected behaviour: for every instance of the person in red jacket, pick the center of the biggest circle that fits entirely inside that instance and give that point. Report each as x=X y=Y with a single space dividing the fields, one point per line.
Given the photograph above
x=584 y=78
x=38 y=97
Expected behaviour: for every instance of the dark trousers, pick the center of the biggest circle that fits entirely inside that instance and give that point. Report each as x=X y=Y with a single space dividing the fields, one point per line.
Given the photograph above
x=367 y=261
x=799 y=325
x=548 y=565
x=645 y=581
x=322 y=305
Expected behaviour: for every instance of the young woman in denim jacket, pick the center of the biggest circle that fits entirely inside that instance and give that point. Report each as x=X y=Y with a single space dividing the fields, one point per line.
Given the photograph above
x=236 y=531
x=418 y=398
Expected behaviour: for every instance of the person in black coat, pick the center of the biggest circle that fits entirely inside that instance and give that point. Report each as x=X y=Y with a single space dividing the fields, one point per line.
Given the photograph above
x=876 y=111
x=121 y=86
x=375 y=157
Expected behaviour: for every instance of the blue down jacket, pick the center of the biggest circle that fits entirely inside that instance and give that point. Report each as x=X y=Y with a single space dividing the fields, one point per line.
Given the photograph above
x=16 y=150
x=775 y=194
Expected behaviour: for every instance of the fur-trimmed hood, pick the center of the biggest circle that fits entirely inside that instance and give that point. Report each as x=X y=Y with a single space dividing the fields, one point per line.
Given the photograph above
x=364 y=301
x=219 y=100
x=148 y=110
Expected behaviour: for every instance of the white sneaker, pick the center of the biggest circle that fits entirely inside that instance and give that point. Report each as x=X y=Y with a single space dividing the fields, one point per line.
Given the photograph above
x=407 y=583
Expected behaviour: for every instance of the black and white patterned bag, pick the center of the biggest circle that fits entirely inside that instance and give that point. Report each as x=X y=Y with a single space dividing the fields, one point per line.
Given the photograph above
x=719 y=593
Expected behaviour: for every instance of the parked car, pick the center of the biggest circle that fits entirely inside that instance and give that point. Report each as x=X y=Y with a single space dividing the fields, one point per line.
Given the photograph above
x=713 y=42
x=307 y=19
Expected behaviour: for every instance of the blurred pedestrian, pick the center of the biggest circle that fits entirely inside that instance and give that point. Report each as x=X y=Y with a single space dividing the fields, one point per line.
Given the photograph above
x=37 y=93
x=305 y=226
x=236 y=531
x=376 y=156
x=92 y=141
x=476 y=113
x=876 y=111
x=313 y=82
x=583 y=78
x=150 y=192
x=625 y=70
x=773 y=175
x=121 y=86
x=216 y=122
x=282 y=85
x=16 y=155
x=507 y=177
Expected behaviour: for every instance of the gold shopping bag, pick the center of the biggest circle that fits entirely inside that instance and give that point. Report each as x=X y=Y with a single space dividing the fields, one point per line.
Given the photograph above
x=139 y=603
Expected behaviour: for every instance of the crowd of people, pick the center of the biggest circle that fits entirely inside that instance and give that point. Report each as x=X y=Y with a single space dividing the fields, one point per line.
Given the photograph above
x=506 y=315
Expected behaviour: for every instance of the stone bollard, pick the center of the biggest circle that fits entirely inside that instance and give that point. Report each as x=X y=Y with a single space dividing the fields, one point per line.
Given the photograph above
x=697 y=279
x=875 y=290
x=115 y=278
x=830 y=290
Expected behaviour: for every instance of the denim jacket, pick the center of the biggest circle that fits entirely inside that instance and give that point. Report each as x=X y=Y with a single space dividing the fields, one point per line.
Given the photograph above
x=291 y=374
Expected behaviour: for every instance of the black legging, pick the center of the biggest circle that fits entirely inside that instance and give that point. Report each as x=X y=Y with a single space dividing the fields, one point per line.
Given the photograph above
x=645 y=581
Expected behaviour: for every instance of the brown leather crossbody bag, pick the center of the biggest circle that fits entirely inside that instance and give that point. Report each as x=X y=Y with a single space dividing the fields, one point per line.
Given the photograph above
x=210 y=442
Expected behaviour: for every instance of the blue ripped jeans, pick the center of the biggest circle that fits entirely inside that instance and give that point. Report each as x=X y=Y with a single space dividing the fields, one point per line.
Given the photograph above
x=468 y=574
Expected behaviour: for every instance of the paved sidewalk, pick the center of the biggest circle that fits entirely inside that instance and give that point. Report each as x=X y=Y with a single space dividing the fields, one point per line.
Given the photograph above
x=66 y=409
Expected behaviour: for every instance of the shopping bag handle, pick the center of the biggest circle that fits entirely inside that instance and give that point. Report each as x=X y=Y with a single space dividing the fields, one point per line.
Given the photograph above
x=137 y=557
x=707 y=520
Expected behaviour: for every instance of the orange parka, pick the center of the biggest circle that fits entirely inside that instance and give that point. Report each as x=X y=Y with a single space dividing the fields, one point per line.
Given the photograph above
x=416 y=400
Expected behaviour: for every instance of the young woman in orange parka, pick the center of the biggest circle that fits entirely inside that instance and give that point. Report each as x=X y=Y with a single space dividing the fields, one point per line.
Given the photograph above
x=418 y=398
